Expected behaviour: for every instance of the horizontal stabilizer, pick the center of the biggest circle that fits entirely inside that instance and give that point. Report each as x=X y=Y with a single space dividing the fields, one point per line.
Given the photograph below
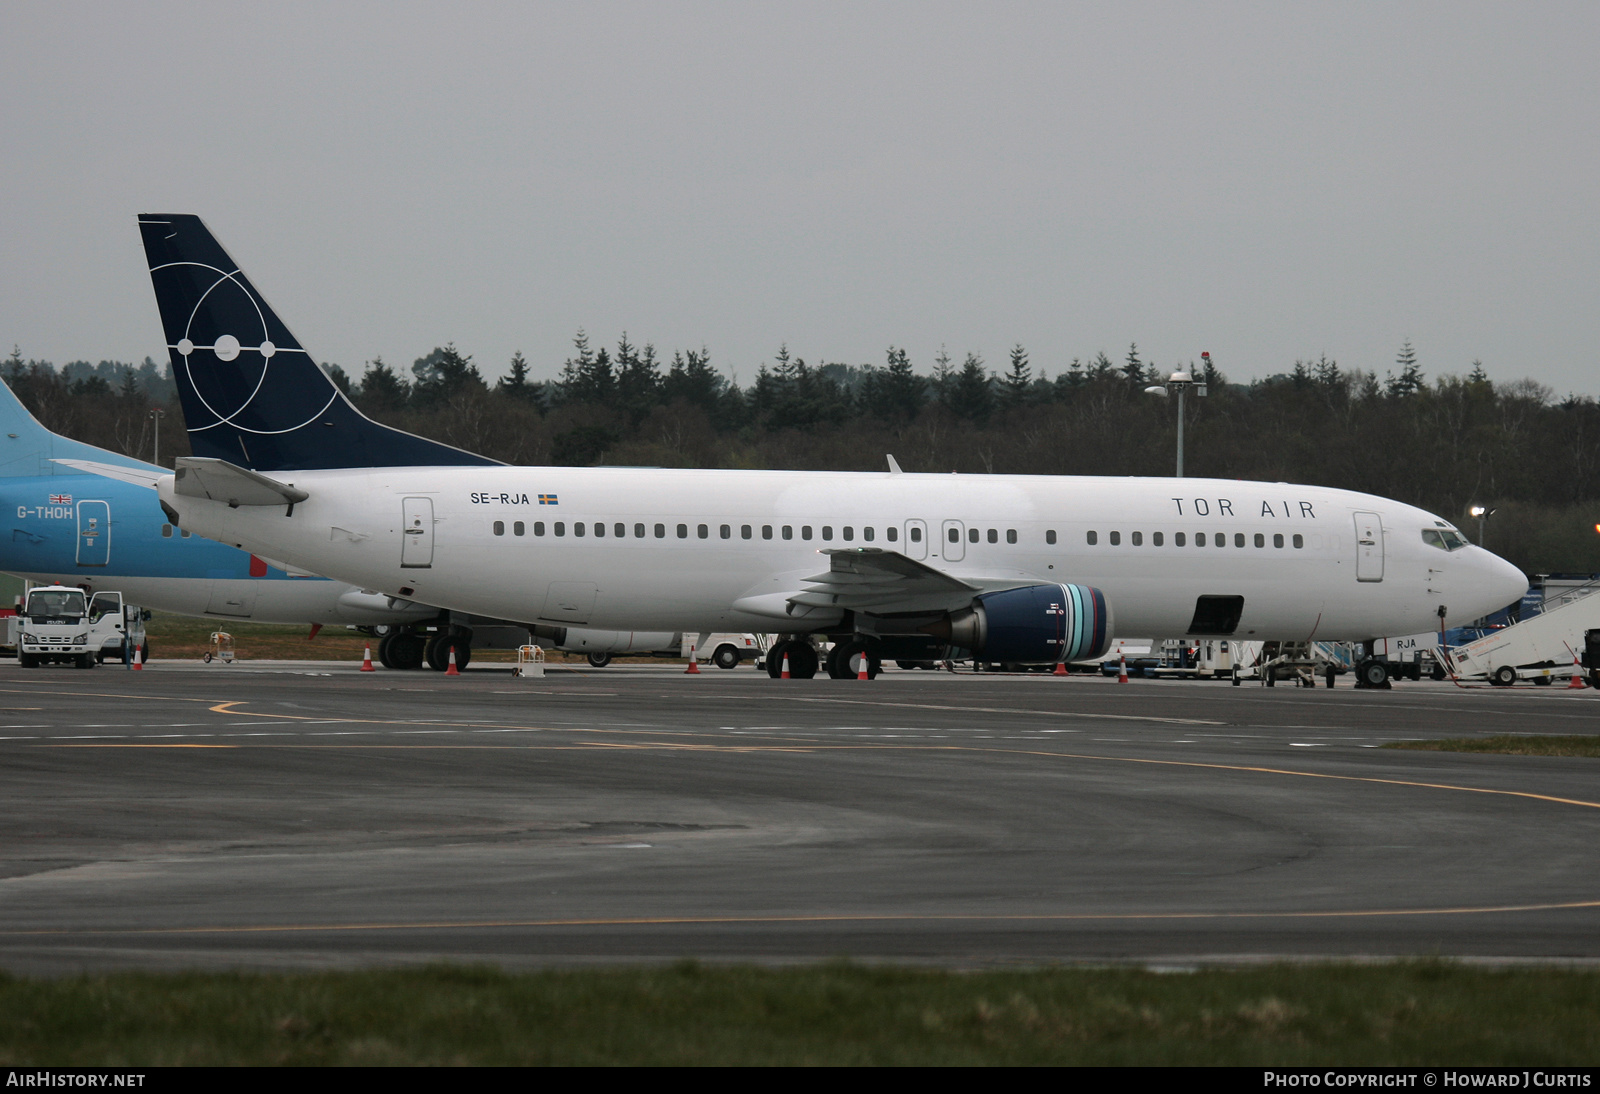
x=219 y=480
x=139 y=476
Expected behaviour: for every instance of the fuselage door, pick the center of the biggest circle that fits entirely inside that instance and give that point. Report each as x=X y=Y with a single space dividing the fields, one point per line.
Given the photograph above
x=1369 y=547
x=916 y=545
x=94 y=533
x=416 y=540
x=954 y=543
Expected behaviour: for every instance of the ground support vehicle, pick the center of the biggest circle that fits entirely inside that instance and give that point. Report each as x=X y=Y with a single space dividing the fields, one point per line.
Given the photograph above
x=62 y=624
x=1540 y=649
x=726 y=650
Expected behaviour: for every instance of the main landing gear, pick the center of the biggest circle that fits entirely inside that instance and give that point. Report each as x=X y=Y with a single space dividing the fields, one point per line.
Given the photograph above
x=408 y=650
x=802 y=659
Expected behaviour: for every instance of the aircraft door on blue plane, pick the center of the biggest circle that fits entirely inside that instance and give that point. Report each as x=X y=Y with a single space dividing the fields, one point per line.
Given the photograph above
x=954 y=544
x=916 y=545
x=416 y=542
x=1369 y=547
x=94 y=533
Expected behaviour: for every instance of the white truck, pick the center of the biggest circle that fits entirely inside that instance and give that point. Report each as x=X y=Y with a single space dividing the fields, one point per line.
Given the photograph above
x=60 y=623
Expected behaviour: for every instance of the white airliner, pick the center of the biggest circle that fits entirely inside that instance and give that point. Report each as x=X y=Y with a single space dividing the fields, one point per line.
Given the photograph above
x=1015 y=568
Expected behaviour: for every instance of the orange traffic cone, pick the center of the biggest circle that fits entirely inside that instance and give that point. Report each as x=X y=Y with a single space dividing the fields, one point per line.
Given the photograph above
x=1061 y=669
x=694 y=665
x=366 y=659
x=452 y=670
x=1577 y=675
x=784 y=675
x=861 y=673
x=138 y=658
x=1122 y=672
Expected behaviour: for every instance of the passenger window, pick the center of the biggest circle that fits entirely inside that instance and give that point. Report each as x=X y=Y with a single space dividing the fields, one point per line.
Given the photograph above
x=519 y=529
x=683 y=531
x=561 y=528
x=1116 y=539
x=1199 y=539
x=766 y=531
x=849 y=533
x=805 y=531
x=1177 y=539
x=788 y=531
x=599 y=529
x=620 y=531
x=726 y=532
x=744 y=531
x=1220 y=539
x=891 y=533
x=1094 y=537
x=638 y=531
x=1155 y=539
x=1261 y=540
x=916 y=534
x=661 y=531
x=577 y=528
x=1277 y=539
x=703 y=531
x=955 y=536
x=184 y=533
x=994 y=536
x=827 y=531
x=1011 y=535
x=972 y=535
x=868 y=534
x=499 y=527
x=166 y=531
x=1138 y=539
x=1299 y=541
x=1238 y=539
x=538 y=527
x=1050 y=536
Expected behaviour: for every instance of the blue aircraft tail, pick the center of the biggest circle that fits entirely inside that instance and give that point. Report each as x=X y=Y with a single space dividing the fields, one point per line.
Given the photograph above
x=251 y=395
x=28 y=449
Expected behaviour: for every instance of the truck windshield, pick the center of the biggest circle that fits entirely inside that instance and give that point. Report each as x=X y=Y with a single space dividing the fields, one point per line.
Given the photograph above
x=55 y=604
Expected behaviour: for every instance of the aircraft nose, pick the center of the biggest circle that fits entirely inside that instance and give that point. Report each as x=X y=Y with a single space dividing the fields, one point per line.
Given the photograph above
x=1501 y=582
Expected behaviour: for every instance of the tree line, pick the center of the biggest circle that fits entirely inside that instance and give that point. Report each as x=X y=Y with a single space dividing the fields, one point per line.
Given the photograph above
x=1445 y=443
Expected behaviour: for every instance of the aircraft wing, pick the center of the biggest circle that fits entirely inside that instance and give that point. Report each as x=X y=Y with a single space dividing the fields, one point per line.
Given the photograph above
x=872 y=579
x=139 y=476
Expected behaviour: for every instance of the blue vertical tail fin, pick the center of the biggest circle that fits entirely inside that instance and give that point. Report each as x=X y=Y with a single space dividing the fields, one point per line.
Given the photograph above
x=28 y=449
x=251 y=394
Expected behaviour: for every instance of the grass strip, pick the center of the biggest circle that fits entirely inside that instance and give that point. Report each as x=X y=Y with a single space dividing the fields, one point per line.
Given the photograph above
x=1409 y=1013
x=1509 y=744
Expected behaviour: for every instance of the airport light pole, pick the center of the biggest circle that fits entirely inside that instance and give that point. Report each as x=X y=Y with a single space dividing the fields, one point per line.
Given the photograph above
x=1179 y=384
x=1483 y=516
x=156 y=415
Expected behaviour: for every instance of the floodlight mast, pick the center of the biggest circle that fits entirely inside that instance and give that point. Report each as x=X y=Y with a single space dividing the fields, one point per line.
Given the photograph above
x=1179 y=384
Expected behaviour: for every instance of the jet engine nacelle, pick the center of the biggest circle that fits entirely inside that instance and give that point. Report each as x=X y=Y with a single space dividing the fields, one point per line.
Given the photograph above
x=1036 y=624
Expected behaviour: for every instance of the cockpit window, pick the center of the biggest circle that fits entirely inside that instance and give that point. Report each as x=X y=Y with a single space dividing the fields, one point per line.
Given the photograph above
x=1444 y=539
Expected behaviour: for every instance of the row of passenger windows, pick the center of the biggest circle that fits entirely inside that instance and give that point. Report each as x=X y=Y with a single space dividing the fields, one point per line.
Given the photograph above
x=724 y=531
x=1179 y=539
x=748 y=531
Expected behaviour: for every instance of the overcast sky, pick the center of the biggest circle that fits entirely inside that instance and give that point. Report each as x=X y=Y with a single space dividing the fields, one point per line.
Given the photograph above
x=1264 y=181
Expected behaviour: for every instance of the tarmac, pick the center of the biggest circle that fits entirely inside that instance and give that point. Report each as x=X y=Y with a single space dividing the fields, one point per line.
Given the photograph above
x=307 y=815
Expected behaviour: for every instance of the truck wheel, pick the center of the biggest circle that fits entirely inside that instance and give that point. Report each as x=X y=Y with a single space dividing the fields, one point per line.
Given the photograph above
x=599 y=660
x=84 y=661
x=1503 y=677
x=1374 y=674
x=27 y=660
x=1438 y=671
x=726 y=657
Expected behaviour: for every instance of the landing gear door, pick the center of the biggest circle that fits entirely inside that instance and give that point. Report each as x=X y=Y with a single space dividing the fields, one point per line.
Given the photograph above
x=1369 y=547
x=916 y=545
x=94 y=533
x=954 y=541
x=416 y=540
